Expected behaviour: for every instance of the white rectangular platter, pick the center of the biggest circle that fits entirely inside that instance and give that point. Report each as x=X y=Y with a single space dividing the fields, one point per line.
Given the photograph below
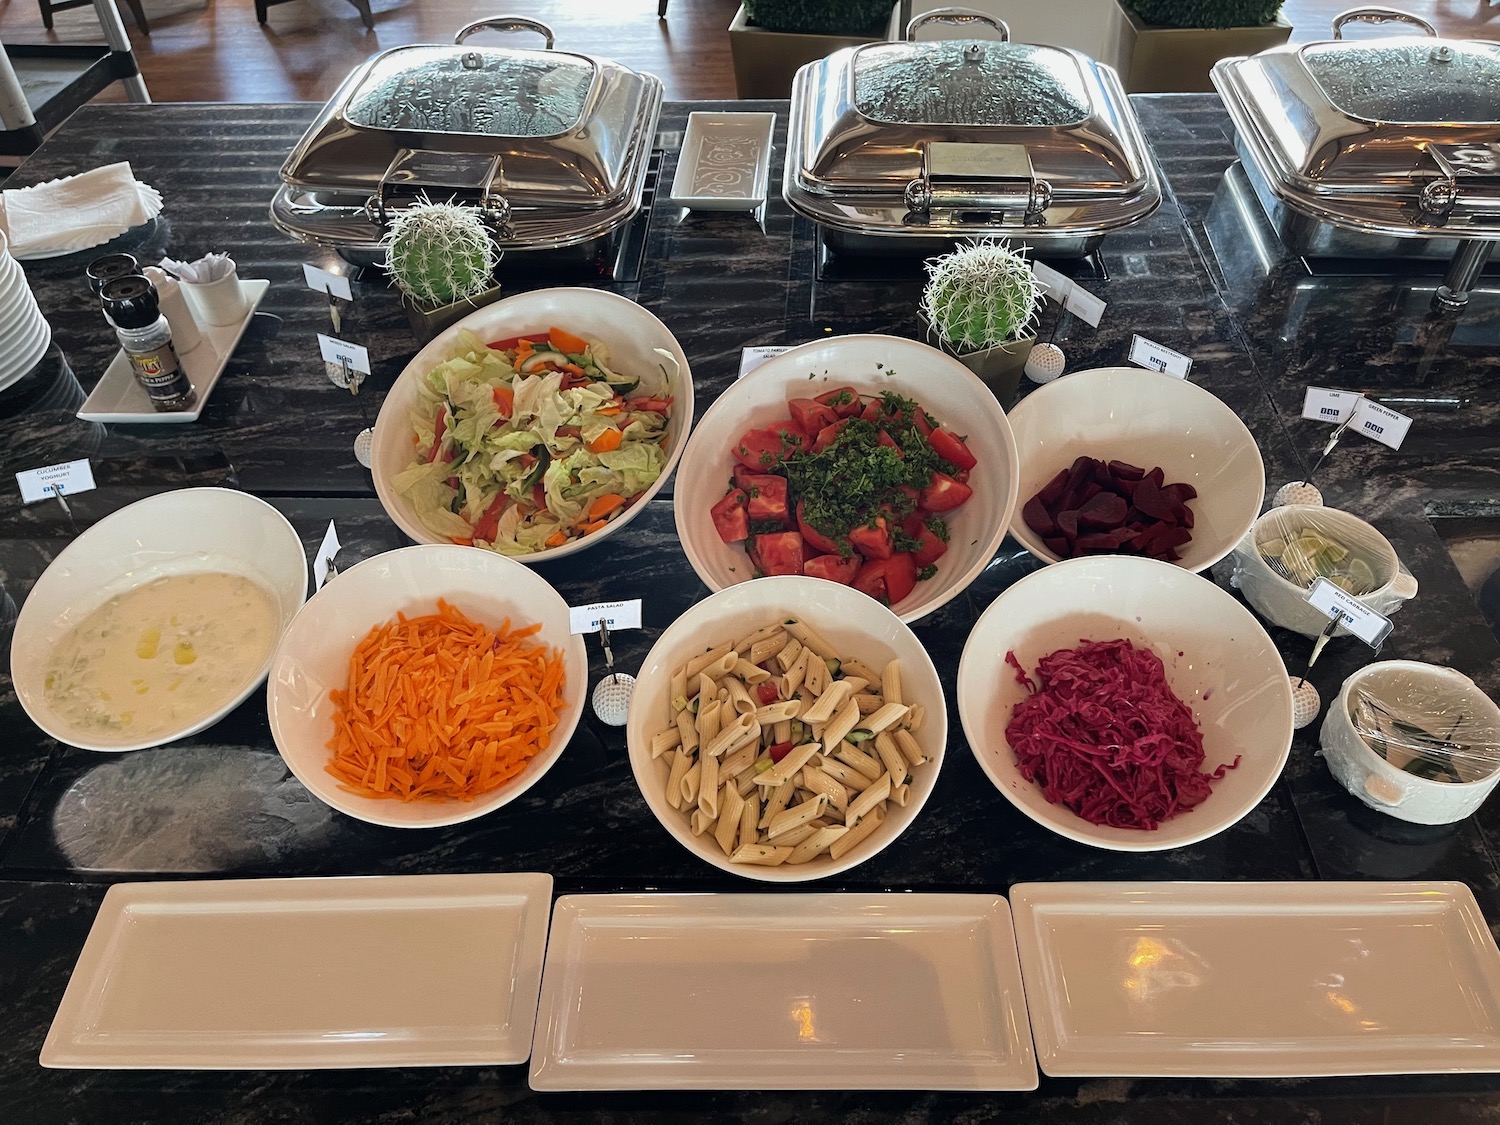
x=1258 y=980
x=725 y=162
x=267 y=974
x=120 y=398
x=782 y=992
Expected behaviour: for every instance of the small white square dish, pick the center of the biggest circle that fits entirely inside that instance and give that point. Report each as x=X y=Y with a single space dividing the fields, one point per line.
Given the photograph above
x=1258 y=980
x=782 y=992
x=303 y=974
x=725 y=161
x=118 y=397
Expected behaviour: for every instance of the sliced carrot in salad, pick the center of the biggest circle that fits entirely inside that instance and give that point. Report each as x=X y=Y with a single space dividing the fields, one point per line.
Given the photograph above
x=605 y=504
x=609 y=439
x=565 y=342
x=443 y=707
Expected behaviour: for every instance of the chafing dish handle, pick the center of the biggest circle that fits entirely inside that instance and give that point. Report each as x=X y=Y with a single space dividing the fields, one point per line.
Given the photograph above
x=506 y=23
x=1378 y=15
x=958 y=16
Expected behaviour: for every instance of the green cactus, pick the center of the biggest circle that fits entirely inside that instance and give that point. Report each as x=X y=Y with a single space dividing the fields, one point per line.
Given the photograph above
x=981 y=295
x=820 y=17
x=1207 y=13
x=440 y=253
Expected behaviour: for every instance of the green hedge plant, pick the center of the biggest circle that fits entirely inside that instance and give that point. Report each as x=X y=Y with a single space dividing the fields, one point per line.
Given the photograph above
x=820 y=17
x=1207 y=13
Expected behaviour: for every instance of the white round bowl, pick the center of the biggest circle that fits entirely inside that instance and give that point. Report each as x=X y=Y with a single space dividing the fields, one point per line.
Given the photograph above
x=1147 y=419
x=945 y=388
x=1218 y=659
x=631 y=333
x=190 y=531
x=313 y=659
x=857 y=626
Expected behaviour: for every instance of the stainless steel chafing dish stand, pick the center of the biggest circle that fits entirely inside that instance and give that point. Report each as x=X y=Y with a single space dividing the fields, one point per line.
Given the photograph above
x=902 y=148
x=1380 y=148
x=554 y=147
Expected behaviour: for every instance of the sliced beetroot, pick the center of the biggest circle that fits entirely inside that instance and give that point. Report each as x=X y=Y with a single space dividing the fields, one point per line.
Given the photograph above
x=1058 y=545
x=1123 y=470
x=1157 y=475
x=1035 y=513
x=1106 y=511
x=1187 y=517
x=1086 y=492
x=1081 y=470
x=1102 y=476
x=1067 y=523
x=1148 y=497
x=1181 y=492
x=1053 y=490
x=1105 y=540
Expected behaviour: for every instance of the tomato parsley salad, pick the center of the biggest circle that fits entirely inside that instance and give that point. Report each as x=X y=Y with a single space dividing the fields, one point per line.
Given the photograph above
x=533 y=442
x=852 y=488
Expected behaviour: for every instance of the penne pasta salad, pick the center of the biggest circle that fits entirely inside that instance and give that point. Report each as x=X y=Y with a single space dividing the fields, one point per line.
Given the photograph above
x=783 y=749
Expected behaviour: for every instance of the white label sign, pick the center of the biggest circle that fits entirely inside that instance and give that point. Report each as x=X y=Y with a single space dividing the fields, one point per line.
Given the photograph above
x=751 y=358
x=1380 y=423
x=330 y=547
x=1069 y=294
x=67 y=479
x=1153 y=356
x=337 y=351
x=1323 y=405
x=326 y=281
x=617 y=615
x=1355 y=616
x=1053 y=284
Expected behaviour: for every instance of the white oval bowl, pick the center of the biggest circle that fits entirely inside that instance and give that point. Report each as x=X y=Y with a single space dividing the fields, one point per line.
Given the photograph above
x=189 y=531
x=1147 y=419
x=858 y=627
x=940 y=384
x=631 y=333
x=313 y=659
x=1229 y=673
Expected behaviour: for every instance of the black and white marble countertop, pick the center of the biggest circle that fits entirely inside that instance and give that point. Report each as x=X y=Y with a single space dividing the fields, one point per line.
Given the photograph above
x=1259 y=327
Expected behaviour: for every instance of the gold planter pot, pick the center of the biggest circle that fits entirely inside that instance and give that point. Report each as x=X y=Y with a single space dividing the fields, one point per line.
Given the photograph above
x=999 y=367
x=428 y=320
x=1178 y=59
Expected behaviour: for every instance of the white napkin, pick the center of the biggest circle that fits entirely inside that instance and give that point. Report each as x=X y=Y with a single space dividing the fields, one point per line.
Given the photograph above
x=77 y=212
x=209 y=268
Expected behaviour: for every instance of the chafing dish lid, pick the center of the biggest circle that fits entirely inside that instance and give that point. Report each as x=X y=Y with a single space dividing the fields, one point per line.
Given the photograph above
x=877 y=108
x=1371 y=119
x=543 y=127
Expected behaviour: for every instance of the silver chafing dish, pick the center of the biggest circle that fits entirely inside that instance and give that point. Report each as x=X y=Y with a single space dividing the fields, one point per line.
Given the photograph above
x=904 y=147
x=1378 y=148
x=554 y=146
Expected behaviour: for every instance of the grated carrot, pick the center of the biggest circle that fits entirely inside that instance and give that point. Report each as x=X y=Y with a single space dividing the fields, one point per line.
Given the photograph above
x=443 y=707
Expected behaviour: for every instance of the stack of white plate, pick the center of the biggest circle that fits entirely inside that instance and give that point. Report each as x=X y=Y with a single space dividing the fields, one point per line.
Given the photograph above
x=24 y=331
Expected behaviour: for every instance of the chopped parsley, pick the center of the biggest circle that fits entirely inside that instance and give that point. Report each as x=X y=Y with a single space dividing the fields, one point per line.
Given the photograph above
x=926 y=572
x=846 y=485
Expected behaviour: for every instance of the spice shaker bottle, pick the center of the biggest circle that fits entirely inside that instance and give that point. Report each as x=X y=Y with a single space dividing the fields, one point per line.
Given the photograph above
x=131 y=305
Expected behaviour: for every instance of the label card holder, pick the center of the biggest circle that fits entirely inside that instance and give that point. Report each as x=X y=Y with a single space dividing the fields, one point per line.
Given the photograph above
x=1359 y=619
x=617 y=615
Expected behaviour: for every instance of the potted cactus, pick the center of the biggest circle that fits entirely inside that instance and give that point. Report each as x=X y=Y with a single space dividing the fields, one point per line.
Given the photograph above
x=770 y=39
x=442 y=259
x=980 y=306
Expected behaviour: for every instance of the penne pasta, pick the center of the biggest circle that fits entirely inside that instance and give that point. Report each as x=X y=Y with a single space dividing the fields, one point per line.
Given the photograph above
x=781 y=732
x=877 y=794
x=828 y=703
x=730 y=806
x=763 y=650
x=915 y=716
x=822 y=784
x=702 y=661
x=868 y=702
x=815 y=672
x=678 y=691
x=749 y=673
x=857 y=684
x=778 y=800
x=749 y=814
x=708 y=785
x=855 y=667
x=700 y=823
x=889 y=715
x=841 y=724
x=856 y=835
x=763 y=855
x=663 y=741
x=739 y=696
x=816 y=844
x=850 y=777
x=794 y=760
x=795 y=817
x=890 y=682
x=812 y=639
x=901 y=794
x=784 y=711
x=708 y=720
x=910 y=750
x=680 y=765
x=737 y=762
x=687 y=731
x=891 y=757
x=797 y=835
x=792 y=681
x=744 y=644
x=788 y=655
x=743 y=728
x=854 y=756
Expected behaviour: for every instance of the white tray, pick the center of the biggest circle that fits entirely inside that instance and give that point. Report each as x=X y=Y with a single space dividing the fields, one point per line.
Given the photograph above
x=120 y=398
x=1258 y=980
x=725 y=162
x=782 y=992
x=276 y=974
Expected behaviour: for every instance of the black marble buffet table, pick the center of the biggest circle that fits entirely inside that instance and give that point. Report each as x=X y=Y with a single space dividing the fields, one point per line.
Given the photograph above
x=1195 y=277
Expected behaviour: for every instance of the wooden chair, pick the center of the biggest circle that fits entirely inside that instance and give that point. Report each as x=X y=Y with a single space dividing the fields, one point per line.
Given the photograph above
x=49 y=6
x=363 y=7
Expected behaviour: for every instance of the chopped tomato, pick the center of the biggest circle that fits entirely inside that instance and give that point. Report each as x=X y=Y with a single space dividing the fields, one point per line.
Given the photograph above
x=815 y=538
x=768 y=499
x=951 y=448
x=762 y=449
x=828 y=434
x=505 y=401
x=811 y=415
x=650 y=405
x=514 y=342
x=888 y=580
x=923 y=423
x=873 y=541
x=538 y=496
x=943 y=493
x=929 y=547
x=844 y=401
x=731 y=520
x=489 y=522
x=834 y=568
x=569 y=431
x=439 y=428
x=780 y=553
x=779 y=750
x=767 y=693
x=889 y=442
x=874 y=411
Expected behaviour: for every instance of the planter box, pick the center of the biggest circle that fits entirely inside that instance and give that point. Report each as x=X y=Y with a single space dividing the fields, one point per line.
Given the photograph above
x=766 y=61
x=1095 y=27
x=1178 y=59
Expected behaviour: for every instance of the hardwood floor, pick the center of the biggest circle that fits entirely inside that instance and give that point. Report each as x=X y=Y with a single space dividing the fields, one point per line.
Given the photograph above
x=306 y=47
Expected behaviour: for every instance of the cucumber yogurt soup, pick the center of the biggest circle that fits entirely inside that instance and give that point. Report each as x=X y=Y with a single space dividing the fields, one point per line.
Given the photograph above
x=529 y=443
x=163 y=656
